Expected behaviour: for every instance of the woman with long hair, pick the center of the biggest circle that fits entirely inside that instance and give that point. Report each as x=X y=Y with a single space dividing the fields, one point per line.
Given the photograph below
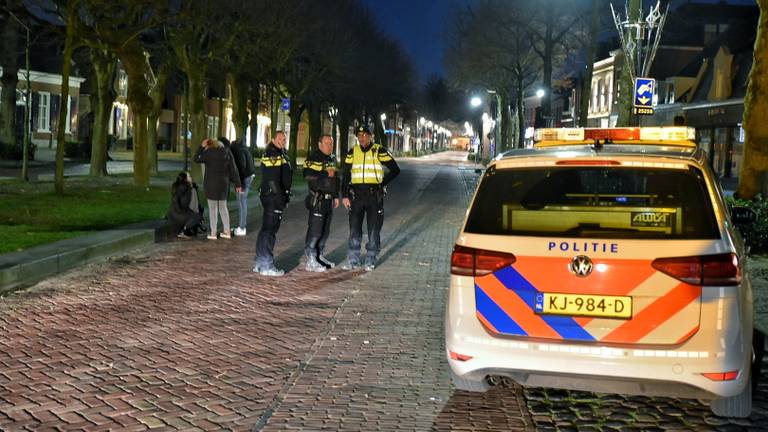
x=220 y=170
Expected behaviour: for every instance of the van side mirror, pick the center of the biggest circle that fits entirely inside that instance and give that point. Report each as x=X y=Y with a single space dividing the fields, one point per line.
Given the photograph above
x=743 y=215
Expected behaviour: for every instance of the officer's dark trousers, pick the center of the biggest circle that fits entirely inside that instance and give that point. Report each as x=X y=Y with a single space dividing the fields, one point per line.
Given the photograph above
x=265 y=243
x=319 y=224
x=368 y=204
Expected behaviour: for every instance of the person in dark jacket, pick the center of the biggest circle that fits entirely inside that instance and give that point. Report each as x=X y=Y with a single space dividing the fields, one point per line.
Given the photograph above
x=220 y=169
x=320 y=172
x=247 y=171
x=185 y=212
x=275 y=192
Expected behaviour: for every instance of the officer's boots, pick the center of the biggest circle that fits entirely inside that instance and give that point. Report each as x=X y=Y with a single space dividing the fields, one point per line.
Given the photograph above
x=325 y=261
x=313 y=265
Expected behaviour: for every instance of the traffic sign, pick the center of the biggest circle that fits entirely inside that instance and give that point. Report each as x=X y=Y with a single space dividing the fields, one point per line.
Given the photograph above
x=643 y=97
x=285 y=104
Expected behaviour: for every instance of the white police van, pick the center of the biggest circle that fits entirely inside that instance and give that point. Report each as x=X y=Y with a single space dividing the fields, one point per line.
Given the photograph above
x=603 y=260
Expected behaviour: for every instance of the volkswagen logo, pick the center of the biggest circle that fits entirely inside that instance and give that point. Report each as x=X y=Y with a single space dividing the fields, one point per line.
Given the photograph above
x=581 y=266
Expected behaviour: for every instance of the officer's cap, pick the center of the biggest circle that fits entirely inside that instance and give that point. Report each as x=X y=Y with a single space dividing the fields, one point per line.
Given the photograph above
x=364 y=129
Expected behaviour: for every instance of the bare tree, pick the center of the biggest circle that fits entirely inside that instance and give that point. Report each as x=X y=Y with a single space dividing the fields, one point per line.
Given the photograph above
x=491 y=50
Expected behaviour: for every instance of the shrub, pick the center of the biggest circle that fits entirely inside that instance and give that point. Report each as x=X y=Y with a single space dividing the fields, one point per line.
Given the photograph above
x=16 y=152
x=755 y=234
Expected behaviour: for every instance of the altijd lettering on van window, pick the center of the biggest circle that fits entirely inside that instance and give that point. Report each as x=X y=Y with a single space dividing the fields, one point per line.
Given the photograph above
x=651 y=219
x=584 y=247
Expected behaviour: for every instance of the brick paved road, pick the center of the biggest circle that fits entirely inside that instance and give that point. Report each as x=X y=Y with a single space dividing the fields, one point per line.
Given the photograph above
x=184 y=337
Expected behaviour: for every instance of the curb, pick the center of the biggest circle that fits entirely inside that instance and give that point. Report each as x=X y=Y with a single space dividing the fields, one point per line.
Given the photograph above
x=21 y=269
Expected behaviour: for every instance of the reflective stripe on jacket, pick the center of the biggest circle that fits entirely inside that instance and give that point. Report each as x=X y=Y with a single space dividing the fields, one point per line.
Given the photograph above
x=366 y=166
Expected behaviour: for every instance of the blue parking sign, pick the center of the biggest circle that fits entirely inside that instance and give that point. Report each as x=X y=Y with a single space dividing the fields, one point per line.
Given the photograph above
x=644 y=92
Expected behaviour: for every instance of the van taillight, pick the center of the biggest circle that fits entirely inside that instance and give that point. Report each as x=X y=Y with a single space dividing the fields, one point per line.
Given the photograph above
x=710 y=270
x=466 y=261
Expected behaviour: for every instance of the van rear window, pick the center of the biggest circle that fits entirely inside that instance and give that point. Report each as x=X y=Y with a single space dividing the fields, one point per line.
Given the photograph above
x=594 y=202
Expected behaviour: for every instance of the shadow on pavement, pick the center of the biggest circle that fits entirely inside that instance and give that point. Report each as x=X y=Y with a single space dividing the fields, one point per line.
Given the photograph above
x=552 y=409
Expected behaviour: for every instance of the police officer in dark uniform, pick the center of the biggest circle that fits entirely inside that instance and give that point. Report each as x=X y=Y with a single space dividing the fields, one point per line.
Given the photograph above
x=275 y=192
x=363 y=195
x=320 y=170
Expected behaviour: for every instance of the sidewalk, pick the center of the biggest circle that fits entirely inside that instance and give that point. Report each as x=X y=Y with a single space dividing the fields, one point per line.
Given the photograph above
x=19 y=269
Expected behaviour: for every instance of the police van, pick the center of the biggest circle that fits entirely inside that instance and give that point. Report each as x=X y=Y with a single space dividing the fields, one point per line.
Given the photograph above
x=603 y=260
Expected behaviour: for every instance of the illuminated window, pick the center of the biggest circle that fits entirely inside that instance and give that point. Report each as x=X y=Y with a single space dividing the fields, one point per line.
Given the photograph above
x=44 y=112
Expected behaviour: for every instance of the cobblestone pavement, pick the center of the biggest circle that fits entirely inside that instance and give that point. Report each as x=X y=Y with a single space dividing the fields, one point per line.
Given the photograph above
x=185 y=337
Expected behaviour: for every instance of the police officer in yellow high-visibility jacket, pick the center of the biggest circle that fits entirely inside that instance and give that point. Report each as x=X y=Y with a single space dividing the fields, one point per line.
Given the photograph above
x=363 y=195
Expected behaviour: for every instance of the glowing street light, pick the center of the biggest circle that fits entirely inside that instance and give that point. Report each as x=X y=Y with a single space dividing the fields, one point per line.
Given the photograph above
x=540 y=93
x=383 y=116
x=476 y=101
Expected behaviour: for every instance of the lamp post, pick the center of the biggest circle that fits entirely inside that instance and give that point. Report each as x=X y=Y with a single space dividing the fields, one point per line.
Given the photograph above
x=27 y=105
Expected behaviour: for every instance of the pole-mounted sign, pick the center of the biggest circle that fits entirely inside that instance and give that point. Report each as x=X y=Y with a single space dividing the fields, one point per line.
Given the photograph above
x=643 y=96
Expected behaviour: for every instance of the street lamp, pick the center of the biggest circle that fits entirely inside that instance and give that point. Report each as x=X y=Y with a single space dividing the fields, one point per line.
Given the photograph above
x=540 y=93
x=475 y=102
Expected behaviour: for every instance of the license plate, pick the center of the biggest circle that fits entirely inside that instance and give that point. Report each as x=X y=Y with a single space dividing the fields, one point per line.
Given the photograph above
x=584 y=305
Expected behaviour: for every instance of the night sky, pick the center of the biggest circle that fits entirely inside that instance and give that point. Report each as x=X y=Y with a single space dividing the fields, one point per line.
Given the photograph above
x=420 y=26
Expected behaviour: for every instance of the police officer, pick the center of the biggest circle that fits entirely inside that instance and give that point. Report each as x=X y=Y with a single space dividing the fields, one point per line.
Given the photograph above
x=275 y=192
x=320 y=172
x=363 y=195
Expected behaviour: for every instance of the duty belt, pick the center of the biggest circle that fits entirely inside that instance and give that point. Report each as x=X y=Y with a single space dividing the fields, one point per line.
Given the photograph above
x=366 y=188
x=322 y=195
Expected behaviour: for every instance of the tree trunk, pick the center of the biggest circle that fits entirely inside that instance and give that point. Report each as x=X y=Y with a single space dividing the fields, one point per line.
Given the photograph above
x=140 y=141
x=197 y=121
x=65 y=68
x=296 y=110
x=273 y=112
x=105 y=65
x=755 y=160
x=506 y=123
x=157 y=95
x=239 y=91
x=255 y=98
x=140 y=104
x=520 y=111
x=152 y=144
x=586 y=83
x=222 y=131
x=315 y=127
x=9 y=81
